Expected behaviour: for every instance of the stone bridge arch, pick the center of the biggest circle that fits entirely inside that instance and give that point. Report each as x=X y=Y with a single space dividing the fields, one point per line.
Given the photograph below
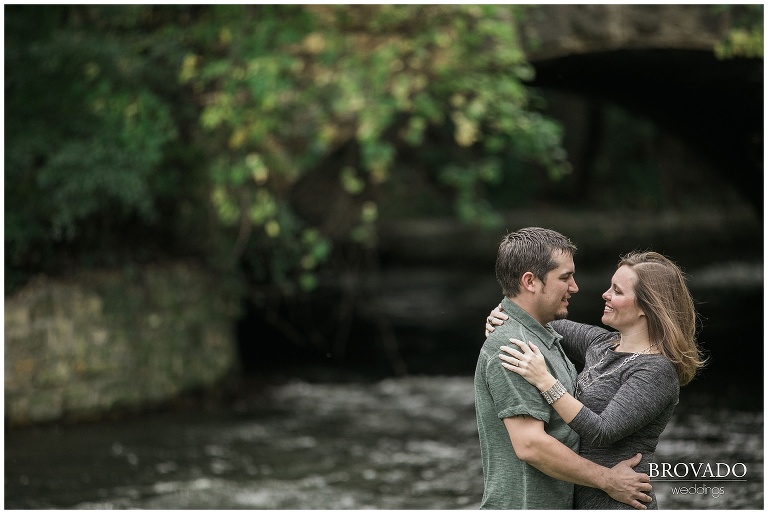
x=658 y=62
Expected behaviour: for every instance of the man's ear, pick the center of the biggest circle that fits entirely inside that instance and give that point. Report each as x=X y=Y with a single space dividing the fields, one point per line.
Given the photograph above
x=527 y=281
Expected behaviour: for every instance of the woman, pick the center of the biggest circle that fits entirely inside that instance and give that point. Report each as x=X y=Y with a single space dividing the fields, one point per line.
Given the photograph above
x=631 y=379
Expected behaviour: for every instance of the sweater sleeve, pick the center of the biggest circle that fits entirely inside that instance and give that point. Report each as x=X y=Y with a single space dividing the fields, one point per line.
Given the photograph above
x=646 y=393
x=577 y=337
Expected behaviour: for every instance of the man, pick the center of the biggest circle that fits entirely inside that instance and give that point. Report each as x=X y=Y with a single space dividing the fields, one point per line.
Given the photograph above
x=530 y=455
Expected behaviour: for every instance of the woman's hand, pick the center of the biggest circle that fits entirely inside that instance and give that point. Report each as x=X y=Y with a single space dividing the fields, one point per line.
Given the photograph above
x=496 y=317
x=529 y=363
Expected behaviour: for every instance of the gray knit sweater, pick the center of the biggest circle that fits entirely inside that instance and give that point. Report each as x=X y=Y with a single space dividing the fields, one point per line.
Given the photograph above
x=626 y=406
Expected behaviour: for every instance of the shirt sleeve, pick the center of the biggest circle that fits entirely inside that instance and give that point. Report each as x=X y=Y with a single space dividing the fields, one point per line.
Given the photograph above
x=577 y=337
x=512 y=395
x=646 y=393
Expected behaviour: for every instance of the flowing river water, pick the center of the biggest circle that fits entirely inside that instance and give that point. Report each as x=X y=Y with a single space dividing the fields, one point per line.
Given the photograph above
x=398 y=443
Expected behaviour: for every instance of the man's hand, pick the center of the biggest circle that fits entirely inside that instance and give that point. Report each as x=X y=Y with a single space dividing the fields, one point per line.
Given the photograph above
x=627 y=486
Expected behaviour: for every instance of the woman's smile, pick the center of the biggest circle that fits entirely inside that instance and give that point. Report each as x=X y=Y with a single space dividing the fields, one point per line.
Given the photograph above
x=621 y=310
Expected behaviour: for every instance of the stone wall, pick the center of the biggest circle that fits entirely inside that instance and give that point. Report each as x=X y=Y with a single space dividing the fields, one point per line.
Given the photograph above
x=99 y=341
x=688 y=236
x=558 y=30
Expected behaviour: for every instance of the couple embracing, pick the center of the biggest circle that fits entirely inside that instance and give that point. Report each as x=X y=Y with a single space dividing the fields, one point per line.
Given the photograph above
x=554 y=439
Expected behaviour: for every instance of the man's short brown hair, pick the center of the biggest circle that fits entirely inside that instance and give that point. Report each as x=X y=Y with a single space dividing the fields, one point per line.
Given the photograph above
x=529 y=249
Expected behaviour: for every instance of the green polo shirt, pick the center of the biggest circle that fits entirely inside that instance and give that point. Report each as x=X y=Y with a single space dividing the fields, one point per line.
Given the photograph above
x=509 y=482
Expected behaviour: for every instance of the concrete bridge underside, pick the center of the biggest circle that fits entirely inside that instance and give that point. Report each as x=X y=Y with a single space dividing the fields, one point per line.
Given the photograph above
x=657 y=61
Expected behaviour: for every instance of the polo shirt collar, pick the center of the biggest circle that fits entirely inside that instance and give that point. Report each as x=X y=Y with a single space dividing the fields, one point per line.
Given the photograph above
x=545 y=334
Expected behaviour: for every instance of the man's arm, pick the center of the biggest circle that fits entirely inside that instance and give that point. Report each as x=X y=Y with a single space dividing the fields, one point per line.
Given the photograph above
x=542 y=451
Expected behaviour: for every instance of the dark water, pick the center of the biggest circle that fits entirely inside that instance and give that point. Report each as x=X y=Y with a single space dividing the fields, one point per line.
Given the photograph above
x=394 y=443
x=402 y=443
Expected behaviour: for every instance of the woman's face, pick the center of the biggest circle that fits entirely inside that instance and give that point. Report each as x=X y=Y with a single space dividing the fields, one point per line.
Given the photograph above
x=621 y=311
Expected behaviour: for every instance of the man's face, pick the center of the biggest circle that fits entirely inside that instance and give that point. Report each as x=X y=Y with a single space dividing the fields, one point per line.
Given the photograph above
x=553 y=296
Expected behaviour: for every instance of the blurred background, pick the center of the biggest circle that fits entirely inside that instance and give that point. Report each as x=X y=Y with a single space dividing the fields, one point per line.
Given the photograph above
x=249 y=250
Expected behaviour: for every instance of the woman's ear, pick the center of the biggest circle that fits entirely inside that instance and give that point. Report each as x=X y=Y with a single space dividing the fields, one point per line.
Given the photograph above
x=642 y=312
x=527 y=281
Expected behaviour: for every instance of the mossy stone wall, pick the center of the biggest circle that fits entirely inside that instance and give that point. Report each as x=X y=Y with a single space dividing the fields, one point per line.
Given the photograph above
x=101 y=341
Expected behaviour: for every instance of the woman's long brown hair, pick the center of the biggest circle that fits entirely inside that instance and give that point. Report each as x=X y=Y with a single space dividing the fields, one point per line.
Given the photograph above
x=662 y=294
